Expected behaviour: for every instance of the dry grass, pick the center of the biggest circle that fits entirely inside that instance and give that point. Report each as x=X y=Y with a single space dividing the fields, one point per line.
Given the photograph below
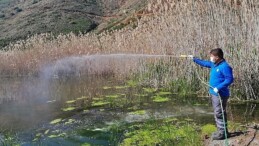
x=175 y=27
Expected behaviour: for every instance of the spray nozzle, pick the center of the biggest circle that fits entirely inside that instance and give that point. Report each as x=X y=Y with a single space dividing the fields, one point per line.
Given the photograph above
x=187 y=56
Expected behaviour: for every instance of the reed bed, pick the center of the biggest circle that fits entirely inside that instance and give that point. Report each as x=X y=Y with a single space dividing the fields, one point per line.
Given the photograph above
x=171 y=27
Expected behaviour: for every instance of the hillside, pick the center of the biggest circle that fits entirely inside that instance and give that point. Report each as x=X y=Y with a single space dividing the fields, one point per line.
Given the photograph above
x=22 y=18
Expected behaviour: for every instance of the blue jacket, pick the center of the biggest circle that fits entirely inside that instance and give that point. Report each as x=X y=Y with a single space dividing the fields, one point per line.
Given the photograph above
x=221 y=76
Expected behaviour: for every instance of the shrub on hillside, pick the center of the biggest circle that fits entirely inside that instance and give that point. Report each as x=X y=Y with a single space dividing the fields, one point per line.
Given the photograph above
x=2 y=15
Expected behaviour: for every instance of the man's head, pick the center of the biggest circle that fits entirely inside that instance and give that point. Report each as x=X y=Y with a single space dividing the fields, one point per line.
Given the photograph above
x=216 y=55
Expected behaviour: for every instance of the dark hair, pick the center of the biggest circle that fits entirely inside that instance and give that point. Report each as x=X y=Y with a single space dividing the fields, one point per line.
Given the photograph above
x=217 y=52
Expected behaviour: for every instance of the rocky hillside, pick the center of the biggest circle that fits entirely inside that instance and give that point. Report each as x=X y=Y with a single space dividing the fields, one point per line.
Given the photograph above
x=20 y=19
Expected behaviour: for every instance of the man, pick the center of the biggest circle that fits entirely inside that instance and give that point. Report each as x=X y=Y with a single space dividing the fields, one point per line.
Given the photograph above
x=221 y=77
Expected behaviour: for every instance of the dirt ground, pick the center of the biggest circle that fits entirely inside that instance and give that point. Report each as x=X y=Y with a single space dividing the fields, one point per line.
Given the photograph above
x=246 y=138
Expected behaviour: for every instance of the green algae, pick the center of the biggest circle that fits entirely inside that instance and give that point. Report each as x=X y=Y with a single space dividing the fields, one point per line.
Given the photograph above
x=68 y=109
x=112 y=96
x=38 y=134
x=122 y=94
x=85 y=111
x=150 y=90
x=97 y=99
x=164 y=93
x=106 y=87
x=57 y=135
x=208 y=129
x=46 y=132
x=53 y=136
x=133 y=108
x=81 y=98
x=138 y=112
x=141 y=95
x=160 y=99
x=161 y=133
x=100 y=103
x=132 y=83
x=121 y=87
x=168 y=120
x=56 y=121
x=70 y=121
x=35 y=139
x=70 y=101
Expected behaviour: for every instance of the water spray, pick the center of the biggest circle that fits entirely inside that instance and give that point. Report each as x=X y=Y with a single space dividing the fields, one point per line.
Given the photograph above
x=151 y=55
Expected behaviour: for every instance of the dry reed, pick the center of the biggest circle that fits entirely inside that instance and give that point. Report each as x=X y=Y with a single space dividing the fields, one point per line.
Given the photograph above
x=175 y=27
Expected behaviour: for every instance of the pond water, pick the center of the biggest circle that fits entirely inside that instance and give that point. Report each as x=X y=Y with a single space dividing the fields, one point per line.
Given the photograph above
x=80 y=100
x=78 y=110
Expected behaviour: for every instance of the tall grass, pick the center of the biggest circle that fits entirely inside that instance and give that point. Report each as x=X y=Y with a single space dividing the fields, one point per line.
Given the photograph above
x=166 y=27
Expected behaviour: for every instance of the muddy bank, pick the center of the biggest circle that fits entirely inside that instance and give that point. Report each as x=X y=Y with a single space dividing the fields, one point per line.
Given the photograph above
x=249 y=137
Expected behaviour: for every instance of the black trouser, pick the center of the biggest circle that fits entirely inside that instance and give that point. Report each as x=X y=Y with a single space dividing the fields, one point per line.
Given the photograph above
x=218 y=112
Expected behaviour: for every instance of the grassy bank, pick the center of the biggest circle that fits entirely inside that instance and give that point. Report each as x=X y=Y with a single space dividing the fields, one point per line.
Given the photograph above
x=166 y=27
x=168 y=131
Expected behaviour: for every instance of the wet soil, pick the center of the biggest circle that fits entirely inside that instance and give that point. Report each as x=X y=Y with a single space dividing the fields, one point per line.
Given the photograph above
x=250 y=137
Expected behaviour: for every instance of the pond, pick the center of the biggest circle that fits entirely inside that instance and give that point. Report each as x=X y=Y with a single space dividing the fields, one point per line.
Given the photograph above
x=79 y=101
x=81 y=110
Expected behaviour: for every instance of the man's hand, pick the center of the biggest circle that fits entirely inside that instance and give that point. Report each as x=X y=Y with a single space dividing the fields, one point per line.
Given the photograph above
x=190 y=56
x=216 y=90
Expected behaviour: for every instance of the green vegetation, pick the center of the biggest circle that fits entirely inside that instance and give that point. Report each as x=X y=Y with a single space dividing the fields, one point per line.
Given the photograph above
x=5 y=42
x=58 y=135
x=138 y=112
x=70 y=121
x=2 y=15
x=208 y=129
x=56 y=121
x=149 y=90
x=121 y=87
x=81 y=98
x=106 y=88
x=132 y=83
x=166 y=83
x=68 y=109
x=112 y=96
x=78 y=25
x=151 y=132
x=160 y=99
x=70 y=101
x=100 y=103
x=162 y=133
x=183 y=87
x=233 y=126
x=164 y=93
x=8 y=139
